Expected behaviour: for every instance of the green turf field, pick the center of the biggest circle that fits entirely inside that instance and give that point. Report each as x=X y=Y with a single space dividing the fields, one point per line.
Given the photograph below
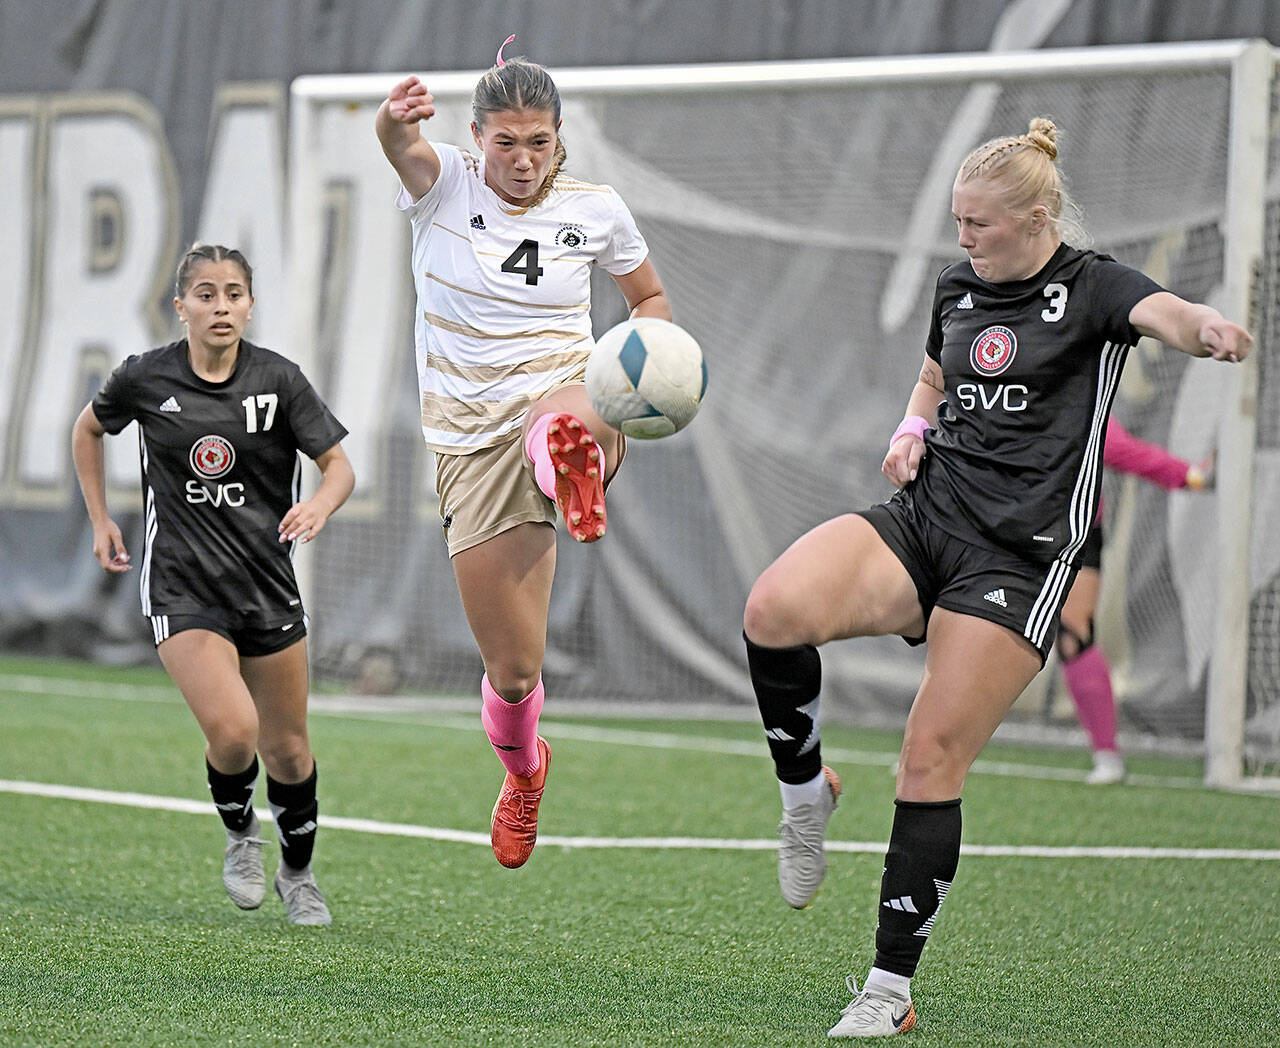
x=114 y=929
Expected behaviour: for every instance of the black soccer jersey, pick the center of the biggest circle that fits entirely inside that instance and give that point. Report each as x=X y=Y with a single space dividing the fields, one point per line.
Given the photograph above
x=1031 y=368
x=220 y=468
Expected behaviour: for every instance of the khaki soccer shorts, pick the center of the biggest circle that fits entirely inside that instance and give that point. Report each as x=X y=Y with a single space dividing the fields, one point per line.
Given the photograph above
x=487 y=492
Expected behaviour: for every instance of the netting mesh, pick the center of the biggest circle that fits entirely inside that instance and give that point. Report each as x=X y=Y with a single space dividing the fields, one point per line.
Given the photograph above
x=799 y=232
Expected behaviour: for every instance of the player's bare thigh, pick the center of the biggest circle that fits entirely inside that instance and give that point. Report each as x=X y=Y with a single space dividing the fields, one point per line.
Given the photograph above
x=205 y=667
x=838 y=580
x=505 y=585
x=279 y=684
x=974 y=671
x=573 y=399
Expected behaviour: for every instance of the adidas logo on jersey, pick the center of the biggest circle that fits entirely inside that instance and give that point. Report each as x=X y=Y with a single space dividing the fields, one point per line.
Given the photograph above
x=170 y=405
x=996 y=596
x=477 y=221
x=966 y=302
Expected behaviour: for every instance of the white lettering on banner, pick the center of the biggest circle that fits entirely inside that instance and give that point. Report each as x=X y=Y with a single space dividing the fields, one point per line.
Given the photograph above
x=110 y=236
x=17 y=238
x=217 y=495
x=1012 y=397
x=243 y=203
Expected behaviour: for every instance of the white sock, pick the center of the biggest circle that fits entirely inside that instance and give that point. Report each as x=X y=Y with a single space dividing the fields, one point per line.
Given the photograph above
x=889 y=982
x=793 y=795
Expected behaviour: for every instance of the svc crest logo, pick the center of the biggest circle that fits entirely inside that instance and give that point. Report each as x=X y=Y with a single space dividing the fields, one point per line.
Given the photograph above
x=993 y=350
x=212 y=456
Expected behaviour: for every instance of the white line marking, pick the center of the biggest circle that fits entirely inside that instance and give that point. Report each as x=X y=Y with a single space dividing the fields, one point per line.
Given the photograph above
x=456 y=714
x=435 y=833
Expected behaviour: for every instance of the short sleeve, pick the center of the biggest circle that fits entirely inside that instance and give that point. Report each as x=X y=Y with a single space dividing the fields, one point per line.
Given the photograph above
x=1114 y=289
x=116 y=403
x=314 y=426
x=933 y=343
x=626 y=248
x=453 y=166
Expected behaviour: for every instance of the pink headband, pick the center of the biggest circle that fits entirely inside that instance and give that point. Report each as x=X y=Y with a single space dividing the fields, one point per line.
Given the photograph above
x=502 y=61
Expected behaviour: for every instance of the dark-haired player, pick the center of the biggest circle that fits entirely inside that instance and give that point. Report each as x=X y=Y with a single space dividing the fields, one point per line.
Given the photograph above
x=221 y=422
x=998 y=460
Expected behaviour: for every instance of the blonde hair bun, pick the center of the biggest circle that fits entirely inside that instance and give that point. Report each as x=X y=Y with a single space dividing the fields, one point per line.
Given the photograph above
x=1043 y=134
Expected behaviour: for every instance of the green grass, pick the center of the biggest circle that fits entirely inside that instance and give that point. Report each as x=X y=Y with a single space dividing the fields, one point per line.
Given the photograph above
x=114 y=929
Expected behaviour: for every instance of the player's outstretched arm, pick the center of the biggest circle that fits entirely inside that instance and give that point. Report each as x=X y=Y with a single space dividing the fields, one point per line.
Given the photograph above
x=87 y=453
x=1192 y=327
x=305 y=520
x=643 y=290
x=397 y=125
x=907 y=447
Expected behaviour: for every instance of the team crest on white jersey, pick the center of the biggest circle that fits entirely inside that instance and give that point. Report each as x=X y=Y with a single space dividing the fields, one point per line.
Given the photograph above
x=571 y=236
x=212 y=456
x=993 y=350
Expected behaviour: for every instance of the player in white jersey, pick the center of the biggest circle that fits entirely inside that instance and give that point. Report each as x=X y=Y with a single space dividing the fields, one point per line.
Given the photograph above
x=503 y=245
x=998 y=461
x=221 y=422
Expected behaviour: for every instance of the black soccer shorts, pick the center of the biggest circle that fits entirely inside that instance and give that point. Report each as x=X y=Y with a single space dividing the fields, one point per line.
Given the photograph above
x=1002 y=587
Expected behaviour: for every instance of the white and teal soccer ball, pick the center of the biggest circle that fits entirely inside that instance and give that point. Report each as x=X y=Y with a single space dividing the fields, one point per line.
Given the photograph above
x=646 y=377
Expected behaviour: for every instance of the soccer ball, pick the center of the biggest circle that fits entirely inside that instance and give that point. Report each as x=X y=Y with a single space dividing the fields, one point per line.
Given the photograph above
x=646 y=377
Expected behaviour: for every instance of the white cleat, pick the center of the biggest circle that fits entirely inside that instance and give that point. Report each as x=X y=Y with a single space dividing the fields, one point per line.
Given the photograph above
x=242 y=874
x=873 y=1013
x=802 y=857
x=303 y=903
x=1108 y=769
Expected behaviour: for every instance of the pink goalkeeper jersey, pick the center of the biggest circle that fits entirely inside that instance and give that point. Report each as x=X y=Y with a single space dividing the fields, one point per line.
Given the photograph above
x=1130 y=454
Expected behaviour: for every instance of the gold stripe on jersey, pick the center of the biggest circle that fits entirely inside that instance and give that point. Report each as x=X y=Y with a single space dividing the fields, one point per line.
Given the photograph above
x=453 y=326
x=500 y=298
x=489 y=374
x=483 y=417
x=574 y=185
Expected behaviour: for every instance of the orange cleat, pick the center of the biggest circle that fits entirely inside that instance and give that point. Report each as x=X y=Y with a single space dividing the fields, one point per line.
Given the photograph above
x=513 y=828
x=579 y=477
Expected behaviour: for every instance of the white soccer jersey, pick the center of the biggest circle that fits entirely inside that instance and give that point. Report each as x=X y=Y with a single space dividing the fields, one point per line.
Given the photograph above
x=503 y=299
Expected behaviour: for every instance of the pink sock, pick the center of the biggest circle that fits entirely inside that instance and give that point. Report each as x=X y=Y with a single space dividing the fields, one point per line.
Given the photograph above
x=535 y=446
x=512 y=727
x=1089 y=682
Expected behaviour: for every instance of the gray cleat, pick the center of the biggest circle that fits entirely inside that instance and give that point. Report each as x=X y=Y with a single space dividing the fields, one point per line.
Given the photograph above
x=802 y=860
x=242 y=874
x=303 y=903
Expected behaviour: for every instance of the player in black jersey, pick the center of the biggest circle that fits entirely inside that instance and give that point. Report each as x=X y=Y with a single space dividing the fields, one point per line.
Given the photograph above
x=221 y=422
x=998 y=462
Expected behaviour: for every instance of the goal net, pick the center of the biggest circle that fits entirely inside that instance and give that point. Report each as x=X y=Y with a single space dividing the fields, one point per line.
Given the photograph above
x=798 y=214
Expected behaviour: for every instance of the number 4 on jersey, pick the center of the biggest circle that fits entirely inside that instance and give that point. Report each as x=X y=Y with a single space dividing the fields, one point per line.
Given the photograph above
x=524 y=259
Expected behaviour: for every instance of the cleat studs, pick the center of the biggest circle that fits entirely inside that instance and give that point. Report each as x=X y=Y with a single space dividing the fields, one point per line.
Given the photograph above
x=564 y=468
x=554 y=449
x=574 y=424
x=575 y=518
x=593 y=473
x=599 y=509
x=554 y=427
x=600 y=531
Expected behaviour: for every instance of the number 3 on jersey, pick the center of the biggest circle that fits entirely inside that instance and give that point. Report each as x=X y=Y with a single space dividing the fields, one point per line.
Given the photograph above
x=1057 y=308
x=524 y=259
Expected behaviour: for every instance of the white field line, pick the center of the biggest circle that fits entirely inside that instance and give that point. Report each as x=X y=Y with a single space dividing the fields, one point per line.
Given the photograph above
x=435 y=833
x=455 y=714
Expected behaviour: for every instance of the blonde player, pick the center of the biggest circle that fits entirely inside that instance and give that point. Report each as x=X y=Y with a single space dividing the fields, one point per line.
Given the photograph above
x=503 y=245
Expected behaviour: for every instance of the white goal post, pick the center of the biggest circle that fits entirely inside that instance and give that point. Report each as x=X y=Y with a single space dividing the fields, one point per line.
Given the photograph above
x=798 y=212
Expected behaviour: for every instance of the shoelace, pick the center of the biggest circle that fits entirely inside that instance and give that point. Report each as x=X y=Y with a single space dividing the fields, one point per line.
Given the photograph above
x=301 y=894
x=521 y=809
x=875 y=1001
x=238 y=850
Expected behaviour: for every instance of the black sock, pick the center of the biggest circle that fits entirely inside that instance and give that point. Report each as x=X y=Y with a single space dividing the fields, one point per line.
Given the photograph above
x=924 y=851
x=233 y=795
x=787 y=682
x=295 y=808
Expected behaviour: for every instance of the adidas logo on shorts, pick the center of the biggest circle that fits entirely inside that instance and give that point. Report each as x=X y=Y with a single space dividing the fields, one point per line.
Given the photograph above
x=996 y=596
